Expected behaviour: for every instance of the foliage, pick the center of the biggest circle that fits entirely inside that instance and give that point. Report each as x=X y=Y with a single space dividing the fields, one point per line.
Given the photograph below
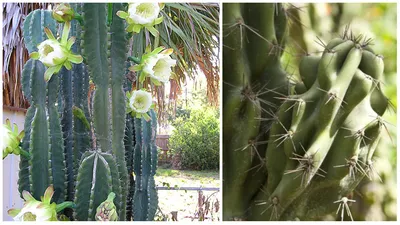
x=196 y=139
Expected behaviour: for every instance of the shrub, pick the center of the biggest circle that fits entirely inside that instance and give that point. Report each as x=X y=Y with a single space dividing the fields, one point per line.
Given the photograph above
x=196 y=139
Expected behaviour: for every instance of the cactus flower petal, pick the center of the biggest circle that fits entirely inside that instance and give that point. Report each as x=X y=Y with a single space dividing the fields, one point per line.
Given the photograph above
x=34 y=210
x=140 y=101
x=143 y=13
x=50 y=52
x=159 y=66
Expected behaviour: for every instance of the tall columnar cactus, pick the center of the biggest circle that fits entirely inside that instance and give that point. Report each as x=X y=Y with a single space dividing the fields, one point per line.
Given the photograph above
x=107 y=69
x=321 y=140
x=43 y=137
x=144 y=166
x=74 y=95
x=253 y=78
x=75 y=138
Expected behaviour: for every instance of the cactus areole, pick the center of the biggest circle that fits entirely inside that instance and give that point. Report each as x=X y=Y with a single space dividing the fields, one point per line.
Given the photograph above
x=303 y=153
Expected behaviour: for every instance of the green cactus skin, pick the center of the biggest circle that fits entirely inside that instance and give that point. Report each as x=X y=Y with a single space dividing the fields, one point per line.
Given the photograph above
x=96 y=58
x=97 y=177
x=320 y=141
x=129 y=142
x=80 y=88
x=339 y=137
x=251 y=68
x=145 y=200
x=117 y=62
x=80 y=172
x=33 y=29
x=104 y=64
x=44 y=139
x=73 y=93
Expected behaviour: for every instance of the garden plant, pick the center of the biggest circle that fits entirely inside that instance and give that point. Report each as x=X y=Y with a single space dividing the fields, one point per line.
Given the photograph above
x=88 y=148
x=296 y=150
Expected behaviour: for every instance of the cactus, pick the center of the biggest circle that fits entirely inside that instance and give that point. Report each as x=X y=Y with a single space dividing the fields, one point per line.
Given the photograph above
x=83 y=139
x=104 y=64
x=129 y=143
x=320 y=140
x=73 y=94
x=43 y=139
x=251 y=69
x=144 y=166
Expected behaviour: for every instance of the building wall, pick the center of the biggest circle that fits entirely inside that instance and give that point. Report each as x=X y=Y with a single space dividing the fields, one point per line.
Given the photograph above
x=11 y=197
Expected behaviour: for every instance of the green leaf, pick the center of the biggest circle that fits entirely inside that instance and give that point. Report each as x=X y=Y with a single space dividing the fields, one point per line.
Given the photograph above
x=34 y=55
x=77 y=59
x=142 y=77
x=157 y=50
x=146 y=116
x=70 y=42
x=68 y=65
x=122 y=14
x=158 y=20
x=49 y=72
x=155 y=81
x=136 y=28
x=135 y=68
x=49 y=34
x=153 y=31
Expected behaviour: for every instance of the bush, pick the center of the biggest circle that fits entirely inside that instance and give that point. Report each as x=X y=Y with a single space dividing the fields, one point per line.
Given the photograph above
x=196 y=139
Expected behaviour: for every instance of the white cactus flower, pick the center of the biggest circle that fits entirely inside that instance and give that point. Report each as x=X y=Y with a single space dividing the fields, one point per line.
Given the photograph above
x=34 y=210
x=7 y=138
x=51 y=53
x=159 y=67
x=140 y=101
x=143 y=13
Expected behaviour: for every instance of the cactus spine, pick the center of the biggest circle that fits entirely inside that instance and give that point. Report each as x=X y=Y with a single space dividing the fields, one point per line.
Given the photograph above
x=320 y=140
x=251 y=69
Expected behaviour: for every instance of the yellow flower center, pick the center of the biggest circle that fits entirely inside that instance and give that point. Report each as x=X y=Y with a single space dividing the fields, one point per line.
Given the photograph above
x=139 y=102
x=160 y=66
x=145 y=9
x=29 y=217
x=47 y=49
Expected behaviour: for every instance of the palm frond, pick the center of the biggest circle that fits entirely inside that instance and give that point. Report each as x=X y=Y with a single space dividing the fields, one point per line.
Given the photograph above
x=192 y=30
x=14 y=53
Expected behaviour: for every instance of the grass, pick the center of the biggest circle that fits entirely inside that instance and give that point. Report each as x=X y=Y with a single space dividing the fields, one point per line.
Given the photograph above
x=181 y=201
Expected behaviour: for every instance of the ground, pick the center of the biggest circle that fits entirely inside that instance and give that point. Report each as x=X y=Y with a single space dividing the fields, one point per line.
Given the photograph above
x=186 y=202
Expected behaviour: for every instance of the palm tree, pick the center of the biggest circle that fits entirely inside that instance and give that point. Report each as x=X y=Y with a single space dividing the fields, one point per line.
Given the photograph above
x=14 y=53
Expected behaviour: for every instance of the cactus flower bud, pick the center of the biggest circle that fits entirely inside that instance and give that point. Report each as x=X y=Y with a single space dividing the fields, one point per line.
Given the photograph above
x=11 y=140
x=141 y=15
x=107 y=210
x=63 y=13
x=34 y=210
